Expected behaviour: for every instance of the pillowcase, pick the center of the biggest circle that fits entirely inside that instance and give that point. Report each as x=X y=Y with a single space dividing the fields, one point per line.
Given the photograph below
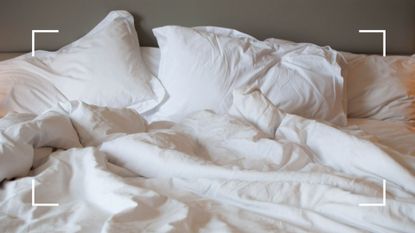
x=151 y=57
x=380 y=87
x=250 y=104
x=200 y=68
x=24 y=89
x=104 y=68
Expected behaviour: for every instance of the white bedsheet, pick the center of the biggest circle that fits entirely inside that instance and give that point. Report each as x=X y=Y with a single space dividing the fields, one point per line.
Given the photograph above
x=213 y=173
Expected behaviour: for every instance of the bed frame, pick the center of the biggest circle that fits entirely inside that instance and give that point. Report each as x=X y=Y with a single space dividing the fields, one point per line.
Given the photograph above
x=324 y=22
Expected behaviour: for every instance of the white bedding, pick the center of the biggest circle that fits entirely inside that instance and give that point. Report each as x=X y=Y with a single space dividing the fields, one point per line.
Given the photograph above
x=303 y=79
x=104 y=67
x=397 y=135
x=211 y=173
x=380 y=87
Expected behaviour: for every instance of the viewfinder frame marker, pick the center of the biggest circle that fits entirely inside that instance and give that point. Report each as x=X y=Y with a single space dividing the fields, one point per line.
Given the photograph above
x=383 y=38
x=34 y=36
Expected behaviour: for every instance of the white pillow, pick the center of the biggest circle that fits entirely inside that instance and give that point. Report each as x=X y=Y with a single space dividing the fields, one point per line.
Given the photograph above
x=250 y=104
x=379 y=87
x=104 y=68
x=151 y=57
x=200 y=69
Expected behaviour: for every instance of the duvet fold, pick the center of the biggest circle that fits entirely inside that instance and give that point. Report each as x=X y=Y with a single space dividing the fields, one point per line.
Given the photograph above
x=256 y=169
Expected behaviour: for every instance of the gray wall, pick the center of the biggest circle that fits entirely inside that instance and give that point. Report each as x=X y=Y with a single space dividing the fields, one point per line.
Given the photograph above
x=324 y=22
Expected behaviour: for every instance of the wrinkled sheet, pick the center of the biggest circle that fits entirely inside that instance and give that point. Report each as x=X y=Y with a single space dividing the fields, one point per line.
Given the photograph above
x=207 y=173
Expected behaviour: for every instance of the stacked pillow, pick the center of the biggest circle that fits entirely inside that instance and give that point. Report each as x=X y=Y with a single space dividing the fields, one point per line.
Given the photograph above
x=200 y=67
x=102 y=68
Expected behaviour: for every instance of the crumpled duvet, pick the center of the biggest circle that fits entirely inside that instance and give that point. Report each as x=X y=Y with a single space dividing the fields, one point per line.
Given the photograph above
x=256 y=169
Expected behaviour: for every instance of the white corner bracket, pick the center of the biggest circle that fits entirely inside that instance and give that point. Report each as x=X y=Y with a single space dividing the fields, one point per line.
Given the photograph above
x=383 y=38
x=33 y=198
x=34 y=35
x=383 y=199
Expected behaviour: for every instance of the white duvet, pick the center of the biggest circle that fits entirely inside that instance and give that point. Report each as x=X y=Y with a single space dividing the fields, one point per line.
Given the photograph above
x=255 y=170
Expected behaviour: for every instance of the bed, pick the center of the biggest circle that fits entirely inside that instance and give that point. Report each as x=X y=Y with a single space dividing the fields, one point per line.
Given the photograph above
x=214 y=130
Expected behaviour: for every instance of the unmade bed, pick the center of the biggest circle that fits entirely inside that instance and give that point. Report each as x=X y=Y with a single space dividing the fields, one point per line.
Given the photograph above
x=212 y=131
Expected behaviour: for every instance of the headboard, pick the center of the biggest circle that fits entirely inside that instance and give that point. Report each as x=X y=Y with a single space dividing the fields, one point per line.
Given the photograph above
x=324 y=22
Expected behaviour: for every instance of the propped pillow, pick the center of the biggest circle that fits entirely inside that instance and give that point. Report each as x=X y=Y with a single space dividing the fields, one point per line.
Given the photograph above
x=201 y=67
x=105 y=68
x=379 y=87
